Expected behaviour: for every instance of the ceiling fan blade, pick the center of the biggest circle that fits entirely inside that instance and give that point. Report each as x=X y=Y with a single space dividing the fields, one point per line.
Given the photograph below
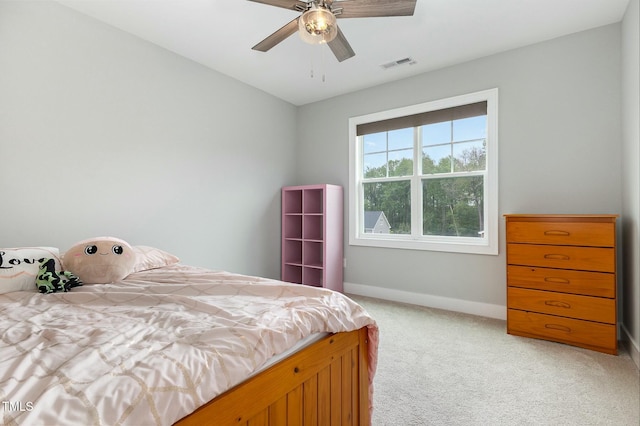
x=277 y=37
x=287 y=4
x=340 y=47
x=374 y=8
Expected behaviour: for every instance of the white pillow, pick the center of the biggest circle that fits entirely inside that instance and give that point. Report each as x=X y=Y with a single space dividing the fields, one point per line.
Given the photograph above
x=151 y=258
x=19 y=267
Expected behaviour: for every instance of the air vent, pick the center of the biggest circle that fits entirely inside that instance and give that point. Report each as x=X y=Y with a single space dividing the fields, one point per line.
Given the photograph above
x=404 y=61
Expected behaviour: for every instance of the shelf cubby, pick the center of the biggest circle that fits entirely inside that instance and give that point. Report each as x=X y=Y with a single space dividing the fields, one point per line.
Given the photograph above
x=313 y=201
x=313 y=227
x=292 y=202
x=292 y=273
x=312 y=254
x=292 y=253
x=312 y=277
x=292 y=226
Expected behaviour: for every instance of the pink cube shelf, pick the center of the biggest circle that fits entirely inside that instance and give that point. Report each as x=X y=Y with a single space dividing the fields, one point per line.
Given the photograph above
x=312 y=235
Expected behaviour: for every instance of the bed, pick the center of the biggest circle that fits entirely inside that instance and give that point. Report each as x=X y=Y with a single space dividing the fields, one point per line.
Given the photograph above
x=184 y=345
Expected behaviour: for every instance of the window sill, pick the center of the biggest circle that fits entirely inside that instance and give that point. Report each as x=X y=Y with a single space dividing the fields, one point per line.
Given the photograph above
x=467 y=245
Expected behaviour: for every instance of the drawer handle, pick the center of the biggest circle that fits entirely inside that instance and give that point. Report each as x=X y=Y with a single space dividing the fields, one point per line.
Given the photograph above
x=556 y=280
x=556 y=257
x=557 y=233
x=558 y=327
x=557 y=304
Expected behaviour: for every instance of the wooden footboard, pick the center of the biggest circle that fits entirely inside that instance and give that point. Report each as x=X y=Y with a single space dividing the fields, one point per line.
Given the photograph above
x=326 y=383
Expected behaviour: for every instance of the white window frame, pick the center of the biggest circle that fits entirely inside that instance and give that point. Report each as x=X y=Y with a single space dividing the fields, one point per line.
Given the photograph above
x=486 y=245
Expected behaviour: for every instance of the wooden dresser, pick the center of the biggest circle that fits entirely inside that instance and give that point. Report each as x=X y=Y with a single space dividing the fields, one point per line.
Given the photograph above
x=561 y=279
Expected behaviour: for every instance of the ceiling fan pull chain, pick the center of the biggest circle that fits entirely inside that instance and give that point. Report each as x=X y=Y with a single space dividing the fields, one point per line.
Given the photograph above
x=322 y=62
x=311 y=63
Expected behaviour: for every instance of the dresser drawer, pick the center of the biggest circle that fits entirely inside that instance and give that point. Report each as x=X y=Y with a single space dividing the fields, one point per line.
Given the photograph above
x=601 y=337
x=562 y=233
x=598 y=284
x=588 y=308
x=562 y=257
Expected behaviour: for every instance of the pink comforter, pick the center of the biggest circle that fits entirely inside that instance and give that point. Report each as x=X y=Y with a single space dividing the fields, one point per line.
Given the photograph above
x=154 y=347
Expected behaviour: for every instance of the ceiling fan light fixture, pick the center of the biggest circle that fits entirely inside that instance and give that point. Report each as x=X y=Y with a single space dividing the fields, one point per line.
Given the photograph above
x=317 y=25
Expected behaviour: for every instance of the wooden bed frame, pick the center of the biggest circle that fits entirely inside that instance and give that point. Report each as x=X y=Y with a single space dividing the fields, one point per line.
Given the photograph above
x=326 y=383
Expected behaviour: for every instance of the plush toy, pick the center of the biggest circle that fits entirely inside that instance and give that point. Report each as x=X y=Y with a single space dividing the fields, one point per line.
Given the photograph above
x=49 y=280
x=100 y=260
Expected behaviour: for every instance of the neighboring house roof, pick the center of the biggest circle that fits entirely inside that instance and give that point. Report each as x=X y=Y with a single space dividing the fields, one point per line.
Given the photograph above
x=376 y=221
x=371 y=218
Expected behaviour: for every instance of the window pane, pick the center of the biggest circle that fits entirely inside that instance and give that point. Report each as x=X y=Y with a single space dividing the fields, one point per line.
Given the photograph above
x=388 y=203
x=436 y=133
x=402 y=138
x=470 y=128
x=375 y=165
x=376 y=142
x=453 y=206
x=436 y=159
x=469 y=156
x=401 y=163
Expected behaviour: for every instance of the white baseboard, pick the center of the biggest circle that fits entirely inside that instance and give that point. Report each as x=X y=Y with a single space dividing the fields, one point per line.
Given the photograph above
x=631 y=345
x=430 y=301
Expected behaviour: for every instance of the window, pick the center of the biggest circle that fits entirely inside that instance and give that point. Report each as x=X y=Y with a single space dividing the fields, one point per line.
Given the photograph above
x=426 y=176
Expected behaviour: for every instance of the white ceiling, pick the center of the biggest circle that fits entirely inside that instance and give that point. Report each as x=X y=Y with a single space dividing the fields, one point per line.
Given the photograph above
x=220 y=33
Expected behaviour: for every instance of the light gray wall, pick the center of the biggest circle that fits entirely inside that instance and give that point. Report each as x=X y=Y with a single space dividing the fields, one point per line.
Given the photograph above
x=559 y=151
x=631 y=175
x=102 y=133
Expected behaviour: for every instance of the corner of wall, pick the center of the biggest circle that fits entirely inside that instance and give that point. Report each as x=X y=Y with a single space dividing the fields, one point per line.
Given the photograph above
x=630 y=345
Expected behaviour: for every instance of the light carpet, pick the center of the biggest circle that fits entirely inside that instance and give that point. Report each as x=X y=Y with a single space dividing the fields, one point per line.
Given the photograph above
x=444 y=368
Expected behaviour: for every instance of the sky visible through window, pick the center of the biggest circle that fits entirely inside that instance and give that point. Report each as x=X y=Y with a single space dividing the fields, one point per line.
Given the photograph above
x=438 y=141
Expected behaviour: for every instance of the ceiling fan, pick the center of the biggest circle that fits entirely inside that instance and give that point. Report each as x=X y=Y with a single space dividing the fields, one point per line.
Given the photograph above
x=317 y=23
